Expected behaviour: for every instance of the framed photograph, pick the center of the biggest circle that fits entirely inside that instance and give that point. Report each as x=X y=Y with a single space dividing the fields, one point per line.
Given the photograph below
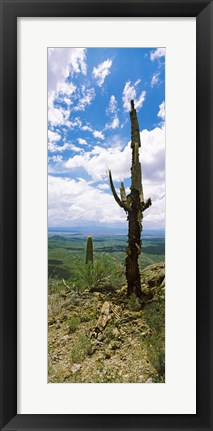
x=97 y=275
x=106 y=119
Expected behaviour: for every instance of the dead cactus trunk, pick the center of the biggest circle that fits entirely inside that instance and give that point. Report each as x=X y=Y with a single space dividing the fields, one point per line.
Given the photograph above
x=134 y=206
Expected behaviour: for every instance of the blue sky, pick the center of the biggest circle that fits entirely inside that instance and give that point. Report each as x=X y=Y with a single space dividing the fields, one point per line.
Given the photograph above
x=89 y=93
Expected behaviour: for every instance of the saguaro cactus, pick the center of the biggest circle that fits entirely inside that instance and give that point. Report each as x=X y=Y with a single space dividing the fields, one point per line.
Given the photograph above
x=89 y=250
x=134 y=205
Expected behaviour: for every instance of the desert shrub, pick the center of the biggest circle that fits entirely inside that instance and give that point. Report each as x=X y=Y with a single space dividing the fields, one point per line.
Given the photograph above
x=160 y=367
x=154 y=315
x=133 y=303
x=54 y=284
x=82 y=348
x=73 y=324
x=103 y=274
x=109 y=329
x=156 y=354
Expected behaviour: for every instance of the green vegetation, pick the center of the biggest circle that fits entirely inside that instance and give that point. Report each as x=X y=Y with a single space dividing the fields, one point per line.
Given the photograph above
x=154 y=314
x=97 y=334
x=104 y=274
x=64 y=251
x=73 y=324
x=82 y=348
x=133 y=303
x=55 y=284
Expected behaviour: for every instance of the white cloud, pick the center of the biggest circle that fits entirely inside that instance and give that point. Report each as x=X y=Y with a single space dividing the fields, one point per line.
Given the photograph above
x=87 y=128
x=162 y=112
x=67 y=207
x=129 y=93
x=103 y=186
x=76 y=149
x=152 y=154
x=67 y=101
x=101 y=71
x=51 y=99
x=88 y=94
x=82 y=141
x=158 y=53
x=56 y=159
x=152 y=157
x=73 y=201
x=112 y=108
x=155 y=79
x=75 y=123
x=114 y=124
x=58 y=116
x=77 y=62
x=98 y=134
x=53 y=136
x=65 y=88
x=112 y=111
x=63 y=62
x=54 y=148
x=140 y=100
x=154 y=217
x=95 y=163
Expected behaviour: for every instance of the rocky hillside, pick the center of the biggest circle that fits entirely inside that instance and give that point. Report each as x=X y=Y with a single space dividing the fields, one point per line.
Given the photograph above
x=102 y=337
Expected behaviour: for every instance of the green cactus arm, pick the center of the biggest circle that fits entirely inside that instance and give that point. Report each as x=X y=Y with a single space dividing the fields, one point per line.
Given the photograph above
x=123 y=192
x=116 y=197
x=89 y=250
x=147 y=204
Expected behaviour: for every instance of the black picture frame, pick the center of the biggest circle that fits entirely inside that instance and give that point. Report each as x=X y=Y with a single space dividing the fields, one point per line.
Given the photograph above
x=10 y=11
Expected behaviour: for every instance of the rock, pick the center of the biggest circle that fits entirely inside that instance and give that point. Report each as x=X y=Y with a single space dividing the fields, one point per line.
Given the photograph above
x=65 y=338
x=149 y=380
x=104 y=316
x=154 y=275
x=67 y=375
x=126 y=378
x=75 y=368
x=141 y=378
x=162 y=286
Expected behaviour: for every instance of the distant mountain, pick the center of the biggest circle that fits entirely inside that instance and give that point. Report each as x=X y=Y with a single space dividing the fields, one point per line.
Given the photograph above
x=57 y=237
x=100 y=230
